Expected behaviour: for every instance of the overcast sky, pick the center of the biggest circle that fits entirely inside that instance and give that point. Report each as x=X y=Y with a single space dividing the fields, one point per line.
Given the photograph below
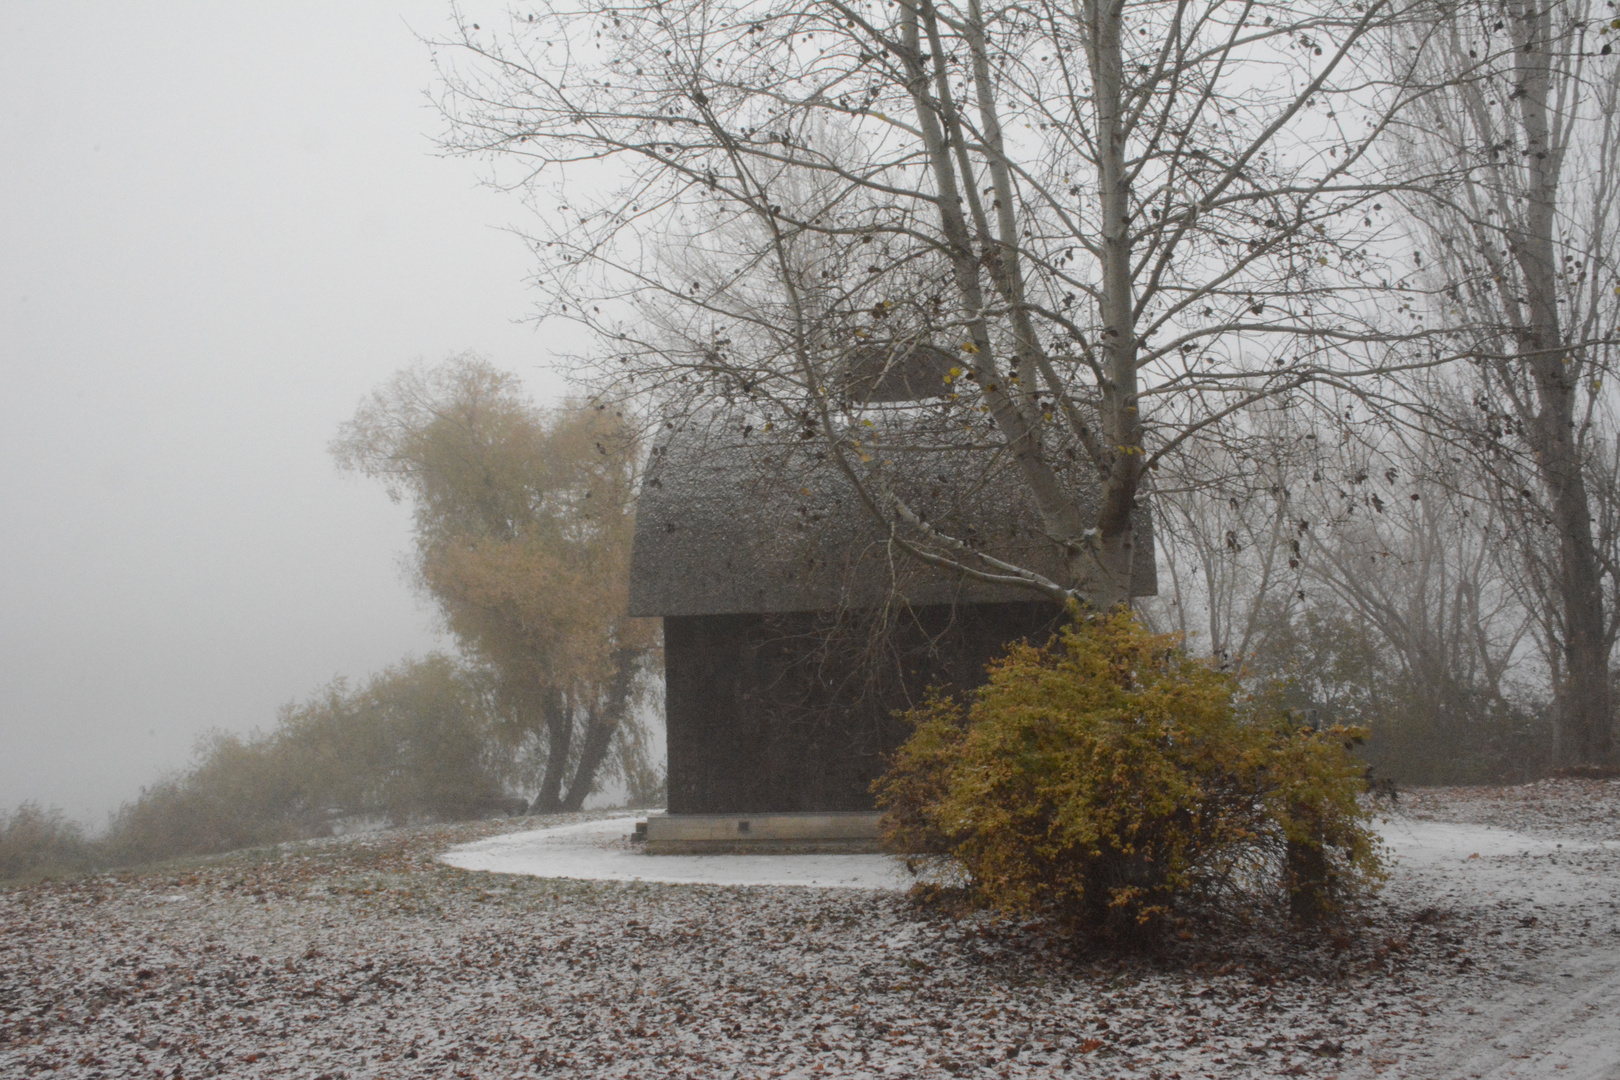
x=222 y=224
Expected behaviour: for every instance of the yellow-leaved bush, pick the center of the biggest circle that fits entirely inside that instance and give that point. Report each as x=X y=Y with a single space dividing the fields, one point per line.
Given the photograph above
x=1107 y=777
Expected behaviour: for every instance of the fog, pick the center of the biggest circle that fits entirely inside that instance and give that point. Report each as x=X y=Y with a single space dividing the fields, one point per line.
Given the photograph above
x=223 y=224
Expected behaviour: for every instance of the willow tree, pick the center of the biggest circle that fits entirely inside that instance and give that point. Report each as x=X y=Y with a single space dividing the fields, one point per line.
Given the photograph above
x=1117 y=224
x=1521 y=241
x=522 y=525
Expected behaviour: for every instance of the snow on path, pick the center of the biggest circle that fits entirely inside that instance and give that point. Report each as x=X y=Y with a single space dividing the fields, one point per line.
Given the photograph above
x=1563 y=1017
x=601 y=851
x=1553 y=1010
x=1437 y=843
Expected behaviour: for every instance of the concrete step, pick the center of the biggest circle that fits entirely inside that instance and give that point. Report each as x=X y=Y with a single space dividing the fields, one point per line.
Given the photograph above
x=777 y=834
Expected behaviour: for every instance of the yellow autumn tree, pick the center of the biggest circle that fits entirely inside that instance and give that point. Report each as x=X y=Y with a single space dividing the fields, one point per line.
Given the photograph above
x=523 y=526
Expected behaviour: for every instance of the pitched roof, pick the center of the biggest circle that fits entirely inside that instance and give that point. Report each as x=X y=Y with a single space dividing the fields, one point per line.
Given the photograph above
x=732 y=521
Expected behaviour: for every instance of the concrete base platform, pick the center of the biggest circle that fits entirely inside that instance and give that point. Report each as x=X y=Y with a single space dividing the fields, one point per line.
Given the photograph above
x=773 y=834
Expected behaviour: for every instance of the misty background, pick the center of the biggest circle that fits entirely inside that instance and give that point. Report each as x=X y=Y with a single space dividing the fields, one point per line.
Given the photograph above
x=223 y=225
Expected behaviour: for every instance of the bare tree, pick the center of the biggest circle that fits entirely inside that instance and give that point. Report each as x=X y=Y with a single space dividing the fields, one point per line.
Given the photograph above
x=1107 y=228
x=1419 y=558
x=1354 y=563
x=1423 y=569
x=1230 y=531
x=1521 y=245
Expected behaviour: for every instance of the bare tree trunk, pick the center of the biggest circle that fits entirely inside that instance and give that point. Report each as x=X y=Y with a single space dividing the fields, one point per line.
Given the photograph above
x=1584 y=706
x=1122 y=457
x=945 y=137
x=559 y=719
x=1529 y=120
x=604 y=724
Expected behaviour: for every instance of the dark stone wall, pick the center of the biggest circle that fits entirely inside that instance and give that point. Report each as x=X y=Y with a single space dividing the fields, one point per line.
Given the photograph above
x=793 y=712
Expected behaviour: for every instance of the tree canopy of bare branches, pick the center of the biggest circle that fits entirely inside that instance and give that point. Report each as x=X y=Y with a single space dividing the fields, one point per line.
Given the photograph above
x=1097 y=231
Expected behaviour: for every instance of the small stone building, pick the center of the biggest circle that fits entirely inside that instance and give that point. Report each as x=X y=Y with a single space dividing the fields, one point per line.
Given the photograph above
x=792 y=629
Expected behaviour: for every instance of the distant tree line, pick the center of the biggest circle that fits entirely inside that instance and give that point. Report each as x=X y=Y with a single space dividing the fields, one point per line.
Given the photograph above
x=414 y=743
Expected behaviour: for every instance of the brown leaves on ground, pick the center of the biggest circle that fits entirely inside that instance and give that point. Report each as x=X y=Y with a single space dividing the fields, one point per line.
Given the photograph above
x=366 y=957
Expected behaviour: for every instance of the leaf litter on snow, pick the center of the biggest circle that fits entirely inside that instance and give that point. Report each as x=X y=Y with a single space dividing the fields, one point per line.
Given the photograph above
x=366 y=956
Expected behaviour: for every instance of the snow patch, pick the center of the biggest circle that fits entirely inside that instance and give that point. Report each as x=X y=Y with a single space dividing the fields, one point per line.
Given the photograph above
x=1421 y=843
x=602 y=851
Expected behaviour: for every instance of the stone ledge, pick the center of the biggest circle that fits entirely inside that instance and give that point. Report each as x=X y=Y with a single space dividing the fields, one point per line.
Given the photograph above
x=775 y=834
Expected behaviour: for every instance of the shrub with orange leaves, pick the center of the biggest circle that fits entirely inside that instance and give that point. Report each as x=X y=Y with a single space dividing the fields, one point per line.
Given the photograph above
x=1105 y=778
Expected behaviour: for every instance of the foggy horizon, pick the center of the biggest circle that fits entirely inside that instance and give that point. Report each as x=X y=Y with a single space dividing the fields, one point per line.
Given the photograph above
x=227 y=225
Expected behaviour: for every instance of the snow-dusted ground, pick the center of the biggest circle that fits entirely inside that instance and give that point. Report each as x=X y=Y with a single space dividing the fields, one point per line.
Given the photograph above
x=369 y=957
x=1538 y=870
